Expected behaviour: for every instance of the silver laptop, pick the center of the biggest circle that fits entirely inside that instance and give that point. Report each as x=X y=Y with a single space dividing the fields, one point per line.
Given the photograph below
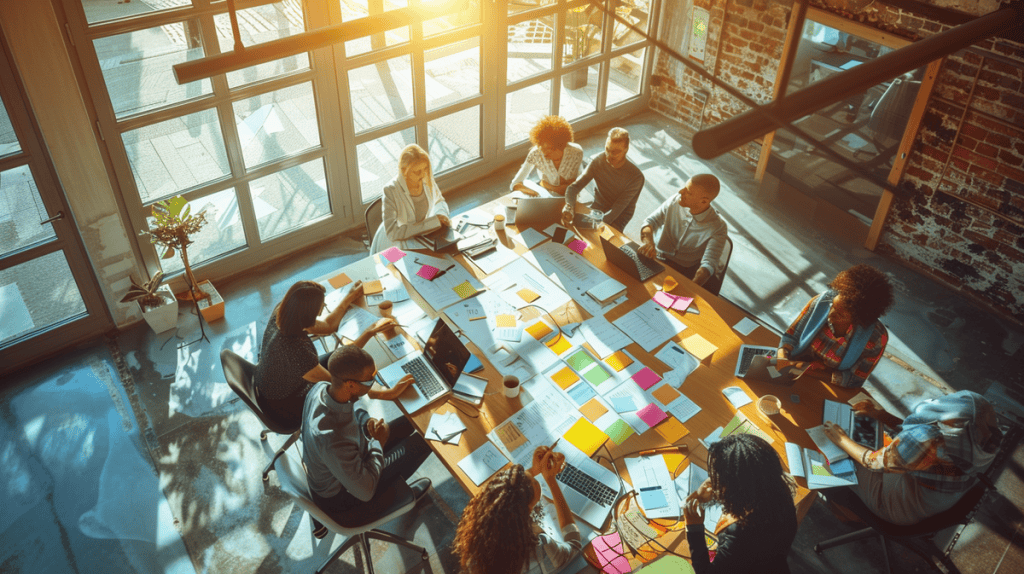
x=538 y=212
x=589 y=488
x=435 y=370
x=747 y=354
x=863 y=429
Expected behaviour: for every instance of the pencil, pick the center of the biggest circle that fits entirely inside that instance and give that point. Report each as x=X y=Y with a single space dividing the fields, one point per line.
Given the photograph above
x=478 y=318
x=468 y=374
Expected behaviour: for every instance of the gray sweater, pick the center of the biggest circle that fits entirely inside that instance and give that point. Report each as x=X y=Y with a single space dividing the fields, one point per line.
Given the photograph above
x=617 y=188
x=687 y=239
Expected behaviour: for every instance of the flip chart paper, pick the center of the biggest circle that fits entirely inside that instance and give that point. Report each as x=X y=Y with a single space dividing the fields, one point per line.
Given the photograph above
x=585 y=436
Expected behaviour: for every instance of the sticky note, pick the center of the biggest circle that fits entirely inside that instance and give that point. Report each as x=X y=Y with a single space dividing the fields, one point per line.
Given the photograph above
x=645 y=378
x=538 y=330
x=585 y=436
x=581 y=393
x=578 y=245
x=527 y=295
x=619 y=431
x=593 y=409
x=564 y=378
x=672 y=461
x=699 y=347
x=736 y=396
x=505 y=320
x=559 y=345
x=671 y=430
x=596 y=376
x=610 y=555
x=670 y=301
x=652 y=498
x=651 y=414
x=393 y=254
x=579 y=360
x=371 y=287
x=665 y=394
x=339 y=280
x=464 y=289
x=428 y=272
x=623 y=404
x=618 y=361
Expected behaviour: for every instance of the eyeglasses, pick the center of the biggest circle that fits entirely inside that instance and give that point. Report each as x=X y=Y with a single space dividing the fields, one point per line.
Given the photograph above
x=373 y=379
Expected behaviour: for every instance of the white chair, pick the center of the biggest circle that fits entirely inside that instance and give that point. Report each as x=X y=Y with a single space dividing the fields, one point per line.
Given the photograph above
x=293 y=483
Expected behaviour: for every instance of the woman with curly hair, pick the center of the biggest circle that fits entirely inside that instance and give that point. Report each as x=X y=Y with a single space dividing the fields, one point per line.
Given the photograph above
x=413 y=204
x=553 y=154
x=745 y=476
x=503 y=529
x=839 y=331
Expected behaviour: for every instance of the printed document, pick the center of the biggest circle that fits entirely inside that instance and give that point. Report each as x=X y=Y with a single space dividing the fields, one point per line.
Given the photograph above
x=650 y=325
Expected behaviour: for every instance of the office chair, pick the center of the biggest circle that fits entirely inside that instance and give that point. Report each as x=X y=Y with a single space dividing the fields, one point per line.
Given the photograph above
x=293 y=483
x=238 y=373
x=373 y=216
x=714 y=283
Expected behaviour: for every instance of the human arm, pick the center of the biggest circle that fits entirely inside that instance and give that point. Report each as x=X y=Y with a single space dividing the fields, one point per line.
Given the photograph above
x=393 y=194
x=392 y=393
x=861 y=370
x=573 y=191
x=523 y=173
x=868 y=408
x=712 y=254
x=647 y=248
x=621 y=211
x=440 y=206
x=329 y=324
x=379 y=326
x=548 y=464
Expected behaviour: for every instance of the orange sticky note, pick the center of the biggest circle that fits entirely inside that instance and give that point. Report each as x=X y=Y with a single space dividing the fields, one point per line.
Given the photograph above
x=565 y=378
x=665 y=394
x=671 y=430
x=371 y=287
x=618 y=361
x=339 y=280
x=527 y=295
x=559 y=344
x=699 y=347
x=538 y=330
x=585 y=436
x=593 y=409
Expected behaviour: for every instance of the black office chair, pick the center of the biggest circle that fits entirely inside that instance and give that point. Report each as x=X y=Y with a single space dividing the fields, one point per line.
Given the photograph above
x=238 y=373
x=374 y=216
x=714 y=283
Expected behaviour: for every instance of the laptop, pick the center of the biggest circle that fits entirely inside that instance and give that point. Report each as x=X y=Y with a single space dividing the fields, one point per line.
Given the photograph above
x=628 y=259
x=538 y=212
x=590 y=489
x=440 y=238
x=783 y=372
x=863 y=429
x=436 y=369
x=747 y=354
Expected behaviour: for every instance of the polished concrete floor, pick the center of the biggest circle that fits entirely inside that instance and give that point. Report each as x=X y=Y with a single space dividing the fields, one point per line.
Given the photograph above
x=132 y=455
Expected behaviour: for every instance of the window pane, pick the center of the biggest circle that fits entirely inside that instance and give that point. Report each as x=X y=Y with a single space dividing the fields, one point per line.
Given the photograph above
x=452 y=73
x=624 y=79
x=258 y=25
x=21 y=210
x=37 y=294
x=102 y=10
x=221 y=234
x=530 y=45
x=175 y=155
x=579 y=92
x=355 y=9
x=523 y=108
x=8 y=139
x=454 y=139
x=471 y=15
x=517 y=6
x=137 y=66
x=378 y=161
x=288 y=199
x=381 y=93
x=583 y=26
x=637 y=13
x=276 y=124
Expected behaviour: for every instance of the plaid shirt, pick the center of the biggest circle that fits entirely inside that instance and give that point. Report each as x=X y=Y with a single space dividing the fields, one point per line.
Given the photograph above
x=918 y=451
x=830 y=348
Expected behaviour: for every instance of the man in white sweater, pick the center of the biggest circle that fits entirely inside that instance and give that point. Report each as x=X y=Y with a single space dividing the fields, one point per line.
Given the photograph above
x=686 y=232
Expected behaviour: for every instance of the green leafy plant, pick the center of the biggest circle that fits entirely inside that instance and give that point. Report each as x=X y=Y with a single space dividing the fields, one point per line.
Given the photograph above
x=172 y=226
x=145 y=293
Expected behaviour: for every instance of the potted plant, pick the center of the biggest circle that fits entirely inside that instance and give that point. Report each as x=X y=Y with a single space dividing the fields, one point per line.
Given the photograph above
x=157 y=302
x=172 y=226
x=579 y=33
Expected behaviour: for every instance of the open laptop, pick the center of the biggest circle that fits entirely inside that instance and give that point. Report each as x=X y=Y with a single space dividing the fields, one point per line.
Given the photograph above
x=440 y=238
x=863 y=429
x=628 y=259
x=747 y=354
x=783 y=372
x=436 y=369
x=589 y=488
x=538 y=212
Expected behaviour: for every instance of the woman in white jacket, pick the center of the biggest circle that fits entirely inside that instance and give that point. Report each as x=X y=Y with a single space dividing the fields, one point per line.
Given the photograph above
x=413 y=204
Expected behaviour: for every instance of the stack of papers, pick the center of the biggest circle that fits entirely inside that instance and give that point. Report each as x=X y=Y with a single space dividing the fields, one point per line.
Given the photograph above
x=607 y=291
x=446 y=428
x=812 y=465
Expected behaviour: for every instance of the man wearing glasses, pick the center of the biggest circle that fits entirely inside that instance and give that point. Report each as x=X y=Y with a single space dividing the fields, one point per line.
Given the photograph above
x=357 y=466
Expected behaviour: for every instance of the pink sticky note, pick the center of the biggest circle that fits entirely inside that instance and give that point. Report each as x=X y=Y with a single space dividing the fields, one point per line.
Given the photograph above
x=428 y=272
x=670 y=301
x=578 y=245
x=646 y=378
x=652 y=414
x=609 y=553
x=681 y=303
x=393 y=254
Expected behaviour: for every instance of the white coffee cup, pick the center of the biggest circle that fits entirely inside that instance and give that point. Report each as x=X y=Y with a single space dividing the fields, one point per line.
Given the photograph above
x=511 y=386
x=499 y=222
x=510 y=214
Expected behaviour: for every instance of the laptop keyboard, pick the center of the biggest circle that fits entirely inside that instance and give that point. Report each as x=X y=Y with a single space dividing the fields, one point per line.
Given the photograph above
x=426 y=381
x=645 y=271
x=748 y=356
x=587 y=485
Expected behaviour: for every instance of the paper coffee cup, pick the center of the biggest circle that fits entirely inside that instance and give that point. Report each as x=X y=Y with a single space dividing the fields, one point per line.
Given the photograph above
x=499 y=222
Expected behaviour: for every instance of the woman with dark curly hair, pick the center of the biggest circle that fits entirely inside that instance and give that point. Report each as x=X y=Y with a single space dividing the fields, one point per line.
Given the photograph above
x=503 y=529
x=745 y=476
x=553 y=154
x=839 y=331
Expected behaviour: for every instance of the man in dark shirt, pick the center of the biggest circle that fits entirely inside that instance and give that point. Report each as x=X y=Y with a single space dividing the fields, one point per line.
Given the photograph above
x=619 y=183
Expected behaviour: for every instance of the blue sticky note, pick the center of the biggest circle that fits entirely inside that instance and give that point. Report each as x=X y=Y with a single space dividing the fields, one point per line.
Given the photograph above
x=652 y=497
x=473 y=364
x=581 y=393
x=842 y=467
x=623 y=404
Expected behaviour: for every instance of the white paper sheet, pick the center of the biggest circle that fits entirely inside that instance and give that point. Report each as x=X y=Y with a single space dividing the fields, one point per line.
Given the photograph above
x=531 y=238
x=650 y=325
x=677 y=359
x=650 y=472
x=355 y=321
x=495 y=259
x=400 y=346
x=437 y=293
x=737 y=396
x=604 y=337
x=525 y=275
x=482 y=463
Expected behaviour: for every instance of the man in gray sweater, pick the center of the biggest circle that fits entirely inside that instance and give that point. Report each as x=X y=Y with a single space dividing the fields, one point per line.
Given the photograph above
x=356 y=466
x=619 y=183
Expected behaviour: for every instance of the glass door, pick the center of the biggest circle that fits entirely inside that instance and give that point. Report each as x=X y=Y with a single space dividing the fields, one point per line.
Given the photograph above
x=48 y=293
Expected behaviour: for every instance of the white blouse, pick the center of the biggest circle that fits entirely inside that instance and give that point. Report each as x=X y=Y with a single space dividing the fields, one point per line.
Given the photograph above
x=572 y=162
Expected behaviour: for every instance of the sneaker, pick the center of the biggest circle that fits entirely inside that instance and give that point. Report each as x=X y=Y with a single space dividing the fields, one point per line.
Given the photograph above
x=420 y=488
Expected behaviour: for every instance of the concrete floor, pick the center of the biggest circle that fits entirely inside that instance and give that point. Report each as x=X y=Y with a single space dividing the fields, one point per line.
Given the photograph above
x=132 y=455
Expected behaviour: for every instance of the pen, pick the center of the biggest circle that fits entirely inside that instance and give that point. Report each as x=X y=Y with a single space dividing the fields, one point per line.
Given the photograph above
x=554 y=444
x=468 y=374
x=478 y=318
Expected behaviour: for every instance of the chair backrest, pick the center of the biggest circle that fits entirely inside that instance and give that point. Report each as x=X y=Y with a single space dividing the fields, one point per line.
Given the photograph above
x=239 y=374
x=723 y=261
x=374 y=216
x=957 y=514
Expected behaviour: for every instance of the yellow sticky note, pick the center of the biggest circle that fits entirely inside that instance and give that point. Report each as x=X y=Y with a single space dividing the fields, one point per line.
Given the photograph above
x=671 y=430
x=464 y=289
x=565 y=378
x=559 y=344
x=339 y=281
x=673 y=460
x=593 y=409
x=505 y=321
x=665 y=394
x=618 y=361
x=527 y=295
x=699 y=347
x=538 y=330
x=585 y=436
x=371 y=287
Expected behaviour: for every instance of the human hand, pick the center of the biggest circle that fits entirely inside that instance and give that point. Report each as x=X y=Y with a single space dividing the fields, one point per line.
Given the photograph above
x=355 y=291
x=547 y=463
x=782 y=353
x=835 y=433
x=693 y=511
x=567 y=216
x=525 y=190
x=382 y=325
x=648 y=250
x=703 y=494
x=404 y=383
x=701 y=276
x=378 y=429
x=443 y=220
x=867 y=408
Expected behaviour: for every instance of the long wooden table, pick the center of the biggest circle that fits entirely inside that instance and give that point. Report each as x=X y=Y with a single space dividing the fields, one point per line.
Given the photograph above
x=704 y=386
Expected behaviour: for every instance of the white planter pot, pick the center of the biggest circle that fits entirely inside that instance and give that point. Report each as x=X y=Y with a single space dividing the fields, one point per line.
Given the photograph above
x=163 y=317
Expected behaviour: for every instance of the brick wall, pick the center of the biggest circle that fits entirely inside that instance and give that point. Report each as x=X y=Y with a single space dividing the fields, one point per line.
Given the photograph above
x=961 y=218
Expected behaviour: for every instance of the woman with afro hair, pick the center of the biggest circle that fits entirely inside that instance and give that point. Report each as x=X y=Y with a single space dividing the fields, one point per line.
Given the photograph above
x=505 y=528
x=838 y=331
x=558 y=160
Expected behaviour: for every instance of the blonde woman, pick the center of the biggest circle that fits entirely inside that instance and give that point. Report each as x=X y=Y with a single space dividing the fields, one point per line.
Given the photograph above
x=413 y=204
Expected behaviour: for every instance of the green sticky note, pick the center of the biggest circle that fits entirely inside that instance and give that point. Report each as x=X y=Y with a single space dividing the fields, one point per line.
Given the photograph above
x=618 y=431
x=596 y=376
x=579 y=360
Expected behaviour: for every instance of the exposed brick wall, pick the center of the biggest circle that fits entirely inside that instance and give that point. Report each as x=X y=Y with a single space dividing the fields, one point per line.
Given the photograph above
x=963 y=223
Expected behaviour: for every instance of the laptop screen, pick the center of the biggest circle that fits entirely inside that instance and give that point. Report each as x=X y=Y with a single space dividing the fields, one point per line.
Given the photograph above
x=446 y=352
